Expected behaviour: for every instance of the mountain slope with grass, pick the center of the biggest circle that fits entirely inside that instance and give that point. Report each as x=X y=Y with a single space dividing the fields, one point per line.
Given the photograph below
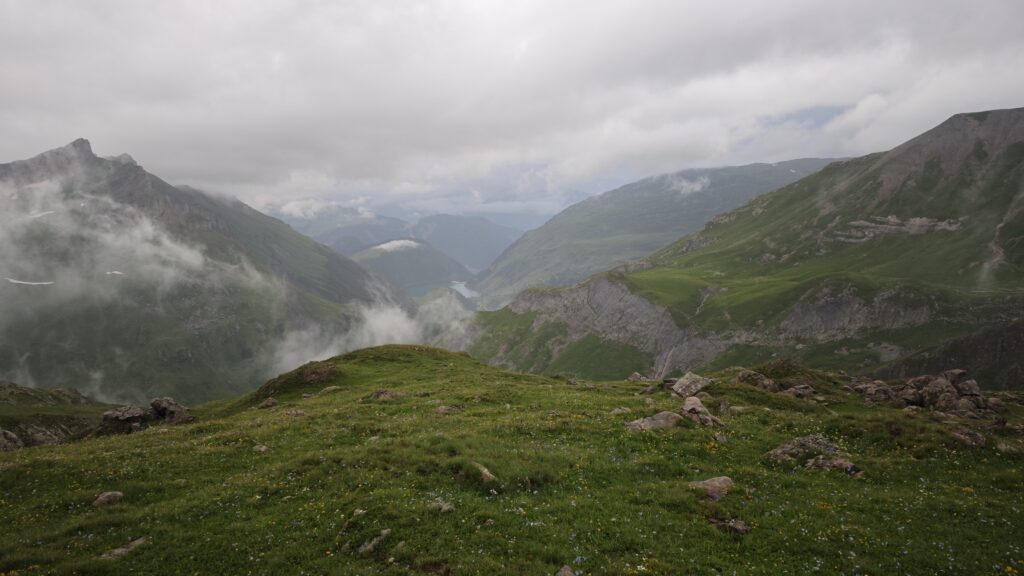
x=411 y=460
x=411 y=266
x=856 y=267
x=126 y=287
x=628 y=223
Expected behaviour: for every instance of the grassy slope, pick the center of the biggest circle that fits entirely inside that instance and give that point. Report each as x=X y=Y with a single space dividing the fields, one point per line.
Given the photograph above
x=573 y=487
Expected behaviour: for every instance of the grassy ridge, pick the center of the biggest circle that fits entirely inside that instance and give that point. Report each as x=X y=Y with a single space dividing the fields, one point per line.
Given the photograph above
x=572 y=486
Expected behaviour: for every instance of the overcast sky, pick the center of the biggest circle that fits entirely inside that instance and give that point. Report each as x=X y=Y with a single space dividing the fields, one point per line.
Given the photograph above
x=480 y=105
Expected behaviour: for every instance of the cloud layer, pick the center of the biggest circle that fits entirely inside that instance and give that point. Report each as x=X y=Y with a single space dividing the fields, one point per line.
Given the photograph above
x=486 y=106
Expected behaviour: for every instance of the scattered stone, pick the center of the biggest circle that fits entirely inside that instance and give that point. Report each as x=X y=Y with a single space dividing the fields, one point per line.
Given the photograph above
x=485 y=474
x=723 y=408
x=802 y=449
x=107 y=498
x=732 y=525
x=440 y=505
x=694 y=409
x=448 y=410
x=649 y=402
x=572 y=382
x=295 y=412
x=268 y=403
x=822 y=462
x=259 y=448
x=636 y=377
x=969 y=437
x=329 y=389
x=307 y=396
x=659 y=420
x=1007 y=448
x=951 y=392
x=169 y=411
x=565 y=571
x=370 y=545
x=651 y=389
x=122 y=550
x=384 y=395
x=620 y=411
x=124 y=420
x=714 y=488
x=690 y=384
x=720 y=438
x=757 y=380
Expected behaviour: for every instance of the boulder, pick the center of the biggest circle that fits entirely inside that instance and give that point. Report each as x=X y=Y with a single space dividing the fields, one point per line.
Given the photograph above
x=122 y=550
x=967 y=388
x=620 y=411
x=800 y=391
x=690 y=384
x=694 y=409
x=565 y=571
x=659 y=420
x=714 y=488
x=125 y=420
x=939 y=392
x=448 y=410
x=955 y=375
x=259 y=448
x=485 y=474
x=802 y=449
x=384 y=395
x=168 y=410
x=107 y=498
x=757 y=380
x=268 y=403
x=9 y=441
x=823 y=462
x=636 y=377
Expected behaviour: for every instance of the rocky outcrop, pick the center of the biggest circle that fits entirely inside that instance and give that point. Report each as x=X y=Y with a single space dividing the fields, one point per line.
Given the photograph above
x=129 y=419
x=951 y=392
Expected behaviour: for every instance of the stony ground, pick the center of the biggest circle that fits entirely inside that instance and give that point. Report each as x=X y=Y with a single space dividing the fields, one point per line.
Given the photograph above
x=410 y=460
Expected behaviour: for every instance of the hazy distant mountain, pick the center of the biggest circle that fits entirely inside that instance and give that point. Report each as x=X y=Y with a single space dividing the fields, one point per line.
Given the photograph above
x=119 y=284
x=472 y=241
x=628 y=223
x=896 y=261
x=412 y=266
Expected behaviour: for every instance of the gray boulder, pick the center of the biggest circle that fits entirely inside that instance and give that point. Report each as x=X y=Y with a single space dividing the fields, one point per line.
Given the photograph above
x=690 y=384
x=658 y=421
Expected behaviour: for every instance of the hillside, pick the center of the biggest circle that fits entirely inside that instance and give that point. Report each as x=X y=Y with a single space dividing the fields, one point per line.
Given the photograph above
x=855 y=267
x=42 y=416
x=413 y=267
x=627 y=223
x=371 y=463
x=126 y=287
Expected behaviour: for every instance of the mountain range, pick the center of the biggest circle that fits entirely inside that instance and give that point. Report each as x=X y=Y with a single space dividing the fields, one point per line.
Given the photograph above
x=124 y=286
x=627 y=223
x=856 y=267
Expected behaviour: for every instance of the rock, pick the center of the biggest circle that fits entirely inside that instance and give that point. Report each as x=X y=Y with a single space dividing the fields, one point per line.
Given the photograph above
x=967 y=388
x=969 y=437
x=723 y=408
x=268 y=403
x=384 y=395
x=620 y=411
x=877 y=391
x=659 y=420
x=822 y=462
x=714 y=488
x=295 y=412
x=636 y=377
x=733 y=525
x=122 y=550
x=758 y=380
x=690 y=384
x=1007 y=448
x=329 y=389
x=939 y=392
x=694 y=409
x=651 y=389
x=485 y=474
x=9 y=441
x=259 y=448
x=955 y=376
x=911 y=396
x=572 y=382
x=370 y=545
x=448 y=410
x=440 y=505
x=799 y=391
x=802 y=449
x=649 y=402
x=168 y=410
x=124 y=420
x=565 y=571
x=107 y=498
x=307 y=396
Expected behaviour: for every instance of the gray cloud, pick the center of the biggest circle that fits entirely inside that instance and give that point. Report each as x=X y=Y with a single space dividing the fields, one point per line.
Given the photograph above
x=483 y=106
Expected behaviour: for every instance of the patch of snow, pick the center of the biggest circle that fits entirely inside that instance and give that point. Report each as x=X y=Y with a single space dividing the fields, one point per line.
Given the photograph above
x=396 y=245
x=24 y=283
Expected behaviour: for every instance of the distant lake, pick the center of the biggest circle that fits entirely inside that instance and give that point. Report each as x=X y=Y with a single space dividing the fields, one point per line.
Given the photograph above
x=460 y=287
